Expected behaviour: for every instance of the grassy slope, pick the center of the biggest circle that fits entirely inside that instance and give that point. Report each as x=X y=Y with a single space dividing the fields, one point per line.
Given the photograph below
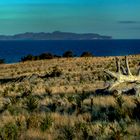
x=78 y=76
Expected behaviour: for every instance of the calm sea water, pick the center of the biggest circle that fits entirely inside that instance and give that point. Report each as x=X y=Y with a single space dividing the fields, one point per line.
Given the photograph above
x=12 y=51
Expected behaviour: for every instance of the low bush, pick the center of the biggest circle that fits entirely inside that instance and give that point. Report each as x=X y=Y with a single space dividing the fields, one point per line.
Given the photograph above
x=46 y=123
x=56 y=72
x=2 y=61
x=67 y=133
x=43 y=56
x=33 y=121
x=28 y=57
x=68 y=54
x=46 y=56
x=136 y=110
x=9 y=132
x=31 y=103
x=37 y=57
x=86 y=54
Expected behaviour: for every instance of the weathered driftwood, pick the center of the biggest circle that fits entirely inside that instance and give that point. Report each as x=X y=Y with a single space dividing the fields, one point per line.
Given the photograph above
x=123 y=75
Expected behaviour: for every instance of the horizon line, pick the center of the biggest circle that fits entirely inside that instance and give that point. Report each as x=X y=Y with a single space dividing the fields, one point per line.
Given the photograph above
x=112 y=38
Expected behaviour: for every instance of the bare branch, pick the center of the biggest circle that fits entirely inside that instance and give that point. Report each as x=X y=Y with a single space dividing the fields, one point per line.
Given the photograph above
x=112 y=74
x=118 y=65
x=138 y=73
x=123 y=70
x=122 y=75
x=127 y=66
x=114 y=85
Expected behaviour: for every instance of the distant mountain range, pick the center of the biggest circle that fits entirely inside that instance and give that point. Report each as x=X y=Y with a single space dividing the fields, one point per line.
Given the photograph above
x=57 y=35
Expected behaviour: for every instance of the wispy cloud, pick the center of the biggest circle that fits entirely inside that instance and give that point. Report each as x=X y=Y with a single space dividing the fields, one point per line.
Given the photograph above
x=128 y=22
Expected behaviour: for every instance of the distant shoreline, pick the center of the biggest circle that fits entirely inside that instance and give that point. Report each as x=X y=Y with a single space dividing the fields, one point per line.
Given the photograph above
x=57 y=35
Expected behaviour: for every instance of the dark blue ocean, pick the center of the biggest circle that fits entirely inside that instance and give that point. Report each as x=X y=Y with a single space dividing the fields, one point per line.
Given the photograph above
x=13 y=51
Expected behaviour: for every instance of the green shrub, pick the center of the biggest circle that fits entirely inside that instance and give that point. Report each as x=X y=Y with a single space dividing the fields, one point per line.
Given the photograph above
x=46 y=56
x=31 y=103
x=46 y=123
x=21 y=124
x=71 y=99
x=13 y=100
x=119 y=131
x=33 y=121
x=122 y=112
x=9 y=132
x=26 y=93
x=14 y=110
x=68 y=54
x=119 y=101
x=67 y=133
x=52 y=106
x=56 y=72
x=5 y=92
x=28 y=57
x=2 y=61
x=82 y=128
x=136 y=110
x=38 y=57
x=4 y=107
x=86 y=54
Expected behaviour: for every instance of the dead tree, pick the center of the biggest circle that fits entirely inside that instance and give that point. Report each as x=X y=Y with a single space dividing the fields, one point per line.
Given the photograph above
x=123 y=75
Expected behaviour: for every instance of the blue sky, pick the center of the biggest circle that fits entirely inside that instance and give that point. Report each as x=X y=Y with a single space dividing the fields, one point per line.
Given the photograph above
x=118 y=18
